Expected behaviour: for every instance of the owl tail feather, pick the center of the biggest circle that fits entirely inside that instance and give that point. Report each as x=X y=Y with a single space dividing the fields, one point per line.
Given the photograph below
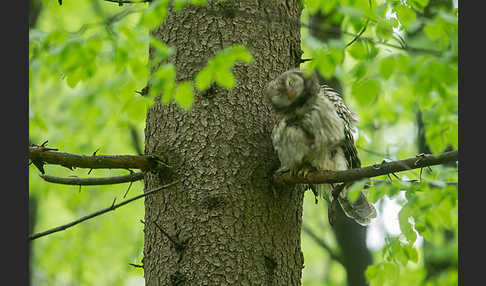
x=361 y=210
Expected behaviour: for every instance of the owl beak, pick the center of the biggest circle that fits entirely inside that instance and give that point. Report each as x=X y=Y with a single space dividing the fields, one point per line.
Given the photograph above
x=291 y=96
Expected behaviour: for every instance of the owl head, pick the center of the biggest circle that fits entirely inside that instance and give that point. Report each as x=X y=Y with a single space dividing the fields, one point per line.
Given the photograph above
x=291 y=89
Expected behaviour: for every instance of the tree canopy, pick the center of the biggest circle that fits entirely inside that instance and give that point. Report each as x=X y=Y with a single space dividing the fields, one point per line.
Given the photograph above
x=90 y=85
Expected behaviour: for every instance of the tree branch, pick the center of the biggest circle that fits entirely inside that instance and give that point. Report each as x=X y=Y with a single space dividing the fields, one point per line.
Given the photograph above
x=121 y=2
x=94 y=181
x=42 y=155
x=100 y=212
x=235 y=12
x=420 y=161
x=430 y=184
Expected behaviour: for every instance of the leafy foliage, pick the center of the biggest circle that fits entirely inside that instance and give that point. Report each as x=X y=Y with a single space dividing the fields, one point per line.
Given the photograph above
x=219 y=67
x=395 y=58
x=87 y=59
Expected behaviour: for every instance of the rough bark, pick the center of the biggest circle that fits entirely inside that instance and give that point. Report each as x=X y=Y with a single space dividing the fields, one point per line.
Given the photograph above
x=351 y=237
x=225 y=223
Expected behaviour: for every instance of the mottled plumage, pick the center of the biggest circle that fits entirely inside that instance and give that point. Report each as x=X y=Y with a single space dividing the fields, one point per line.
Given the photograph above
x=315 y=133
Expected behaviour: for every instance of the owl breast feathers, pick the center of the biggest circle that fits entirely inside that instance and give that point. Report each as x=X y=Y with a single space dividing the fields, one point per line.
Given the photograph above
x=314 y=133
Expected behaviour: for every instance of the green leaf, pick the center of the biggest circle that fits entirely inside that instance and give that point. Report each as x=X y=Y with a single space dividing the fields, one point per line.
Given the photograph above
x=387 y=66
x=237 y=53
x=161 y=50
x=391 y=271
x=435 y=29
x=312 y=5
x=204 y=78
x=225 y=79
x=384 y=29
x=405 y=15
x=371 y=272
x=154 y=14
x=73 y=78
x=405 y=226
x=359 y=70
x=219 y=67
x=376 y=192
x=163 y=81
x=365 y=91
x=419 y=5
x=355 y=190
x=327 y=58
x=358 y=50
x=412 y=252
x=179 y=4
x=375 y=275
x=184 y=95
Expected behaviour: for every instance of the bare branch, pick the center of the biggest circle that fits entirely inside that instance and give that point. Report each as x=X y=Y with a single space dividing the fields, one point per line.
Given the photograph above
x=432 y=184
x=121 y=2
x=100 y=212
x=94 y=181
x=142 y=162
x=135 y=140
x=359 y=34
x=420 y=161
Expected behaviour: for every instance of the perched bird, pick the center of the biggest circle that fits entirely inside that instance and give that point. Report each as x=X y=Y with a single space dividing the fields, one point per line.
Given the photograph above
x=314 y=133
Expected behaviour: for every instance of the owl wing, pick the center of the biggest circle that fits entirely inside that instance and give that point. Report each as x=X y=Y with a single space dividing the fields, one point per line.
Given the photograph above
x=360 y=210
x=350 y=118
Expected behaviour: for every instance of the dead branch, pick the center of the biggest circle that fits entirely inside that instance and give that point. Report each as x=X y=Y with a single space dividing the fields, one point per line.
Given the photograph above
x=100 y=212
x=43 y=155
x=94 y=181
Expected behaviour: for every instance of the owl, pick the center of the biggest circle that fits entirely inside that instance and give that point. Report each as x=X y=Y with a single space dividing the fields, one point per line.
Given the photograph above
x=314 y=133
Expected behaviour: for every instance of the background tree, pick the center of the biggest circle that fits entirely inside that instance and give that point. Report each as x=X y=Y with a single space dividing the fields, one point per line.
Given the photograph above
x=350 y=236
x=385 y=78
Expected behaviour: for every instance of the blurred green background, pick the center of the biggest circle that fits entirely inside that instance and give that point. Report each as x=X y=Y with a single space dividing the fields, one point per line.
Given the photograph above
x=87 y=59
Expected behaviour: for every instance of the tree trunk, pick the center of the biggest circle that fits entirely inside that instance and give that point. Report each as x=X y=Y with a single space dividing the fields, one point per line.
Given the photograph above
x=224 y=223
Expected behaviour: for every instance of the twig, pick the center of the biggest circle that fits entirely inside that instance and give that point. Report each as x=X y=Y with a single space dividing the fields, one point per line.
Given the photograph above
x=406 y=48
x=322 y=244
x=368 y=172
x=142 y=162
x=121 y=2
x=129 y=186
x=359 y=34
x=94 y=181
x=373 y=152
x=94 y=154
x=100 y=212
x=135 y=140
x=431 y=184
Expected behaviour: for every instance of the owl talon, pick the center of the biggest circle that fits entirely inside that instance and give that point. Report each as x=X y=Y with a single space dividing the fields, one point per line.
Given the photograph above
x=283 y=170
x=304 y=172
x=294 y=172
